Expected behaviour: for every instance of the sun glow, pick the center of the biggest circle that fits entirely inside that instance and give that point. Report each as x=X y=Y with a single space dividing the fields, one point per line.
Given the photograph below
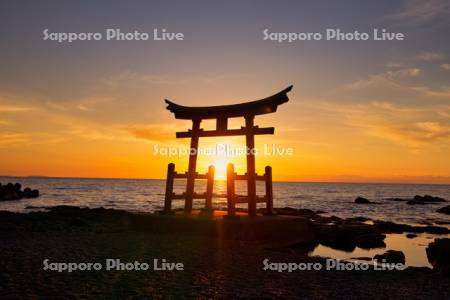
x=220 y=166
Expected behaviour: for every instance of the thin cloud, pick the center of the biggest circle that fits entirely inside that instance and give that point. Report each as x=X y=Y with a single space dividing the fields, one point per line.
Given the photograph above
x=11 y=139
x=416 y=12
x=405 y=125
x=445 y=67
x=390 y=76
x=154 y=133
x=10 y=108
x=430 y=56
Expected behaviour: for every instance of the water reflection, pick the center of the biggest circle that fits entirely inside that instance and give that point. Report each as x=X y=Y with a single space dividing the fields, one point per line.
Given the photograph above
x=414 y=249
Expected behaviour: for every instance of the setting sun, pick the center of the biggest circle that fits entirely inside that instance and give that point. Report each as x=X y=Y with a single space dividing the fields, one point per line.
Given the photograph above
x=220 y=165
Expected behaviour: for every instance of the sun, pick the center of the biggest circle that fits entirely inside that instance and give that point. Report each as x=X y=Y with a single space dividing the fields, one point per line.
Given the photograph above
x=220 y=166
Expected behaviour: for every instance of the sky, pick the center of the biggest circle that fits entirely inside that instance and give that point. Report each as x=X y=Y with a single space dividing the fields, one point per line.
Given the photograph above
x=360 y=111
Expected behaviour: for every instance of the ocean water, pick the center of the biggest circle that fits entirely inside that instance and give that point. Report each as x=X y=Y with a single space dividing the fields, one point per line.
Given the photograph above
x=148 y=196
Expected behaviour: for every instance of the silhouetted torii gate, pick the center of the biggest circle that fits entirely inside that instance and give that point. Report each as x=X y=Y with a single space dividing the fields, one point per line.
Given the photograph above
x=222 y=113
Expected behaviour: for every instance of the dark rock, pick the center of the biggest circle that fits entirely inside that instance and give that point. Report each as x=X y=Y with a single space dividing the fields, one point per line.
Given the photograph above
x=411 y=235
x=10 y=192
x=414 y=202
x=34 y=194
x=391 y=257
x=426 y=199
x=287 y=211
x=362 y=258
x=396 y=199
x=348 y=235
x=26 y=192
x=305 y=212
x=438 y=255
x=432 y=229
x=17 y=187
x=14 y=192
x=358 y=219
x=369 y=241
x=362 y=200
x=444 y=210
x=443 y=222
x=391 y=227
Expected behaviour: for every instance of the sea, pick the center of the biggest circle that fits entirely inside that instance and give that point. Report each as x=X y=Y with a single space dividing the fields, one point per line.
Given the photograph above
x=142 y=195
x=147 y=195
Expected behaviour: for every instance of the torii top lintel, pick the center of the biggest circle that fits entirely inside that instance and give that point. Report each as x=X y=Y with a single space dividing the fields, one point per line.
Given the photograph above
x=252 y=108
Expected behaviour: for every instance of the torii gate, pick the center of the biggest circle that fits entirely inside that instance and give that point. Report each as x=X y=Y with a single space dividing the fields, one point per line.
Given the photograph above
x=222 y=113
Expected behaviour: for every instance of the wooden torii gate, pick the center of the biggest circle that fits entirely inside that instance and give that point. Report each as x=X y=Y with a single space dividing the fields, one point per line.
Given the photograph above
x=222 y=113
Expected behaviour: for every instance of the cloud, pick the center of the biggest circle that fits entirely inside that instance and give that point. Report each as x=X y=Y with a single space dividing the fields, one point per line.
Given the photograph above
x=445 y=67
x=430 y=56
x=443 y=92
x=416 y=12
x=11 y=108
x=86 y=104
x=153 y=133
x=11 y=139
x=407 y=125
x=388 y=76
x=395 y=65
x=398 y=81
x=415 y=134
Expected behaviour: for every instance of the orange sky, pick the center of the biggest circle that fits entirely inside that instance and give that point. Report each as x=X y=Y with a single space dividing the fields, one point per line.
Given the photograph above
x=359 y=111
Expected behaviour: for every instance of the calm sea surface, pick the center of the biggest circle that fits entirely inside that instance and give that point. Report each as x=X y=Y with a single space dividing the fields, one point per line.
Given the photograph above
x=148 y=196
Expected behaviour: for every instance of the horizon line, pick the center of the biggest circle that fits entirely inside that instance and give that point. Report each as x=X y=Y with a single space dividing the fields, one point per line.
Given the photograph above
x=286 y=181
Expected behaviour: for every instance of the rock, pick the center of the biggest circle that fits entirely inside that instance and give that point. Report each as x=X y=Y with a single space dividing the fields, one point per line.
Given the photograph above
x=391 y=227
x=391 y=257
x=396 y=199
x=305 y=212
x=358 y=219
x=348 y=235
x=14 y=192
x=444 y=210
x=413 y=202
x=432 y=229
x=34 y=194
x=362 y=258
x=10 y=192
x=438 y=255
x=411 y=235
x=27 y=192
x=369 y=241
x=443 y=222
x=288 y=211
x=426 y=199
x=362 y=200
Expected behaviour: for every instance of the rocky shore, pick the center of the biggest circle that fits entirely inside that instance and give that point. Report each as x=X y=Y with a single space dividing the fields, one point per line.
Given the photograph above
x=218 y=263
